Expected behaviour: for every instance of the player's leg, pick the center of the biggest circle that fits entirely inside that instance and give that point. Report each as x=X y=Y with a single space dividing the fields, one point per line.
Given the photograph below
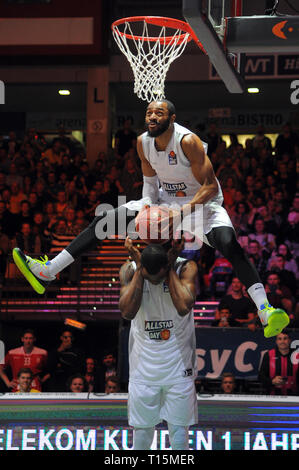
x=40 y=272
x=224 y=240
x=143 y=413
x=178 y=437
x=179 y=408
x=143 y=438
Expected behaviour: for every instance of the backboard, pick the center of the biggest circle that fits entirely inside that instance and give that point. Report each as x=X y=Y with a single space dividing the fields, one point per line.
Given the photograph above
x=227 y=35
x=207 y=19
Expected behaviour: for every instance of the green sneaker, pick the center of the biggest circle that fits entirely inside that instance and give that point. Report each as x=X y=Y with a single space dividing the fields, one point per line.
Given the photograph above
x=274 y=320
x=35 y=271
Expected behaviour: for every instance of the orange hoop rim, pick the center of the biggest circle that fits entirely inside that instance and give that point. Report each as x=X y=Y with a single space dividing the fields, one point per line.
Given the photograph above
x=158 y=21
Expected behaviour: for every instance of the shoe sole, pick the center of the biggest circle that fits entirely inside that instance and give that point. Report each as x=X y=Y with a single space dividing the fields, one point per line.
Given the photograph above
x=276 y=323
x=21 y=264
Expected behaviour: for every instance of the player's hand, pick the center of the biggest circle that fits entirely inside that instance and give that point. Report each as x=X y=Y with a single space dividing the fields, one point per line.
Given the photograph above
x=277 y=381
x=134 y=253
x=176 y=248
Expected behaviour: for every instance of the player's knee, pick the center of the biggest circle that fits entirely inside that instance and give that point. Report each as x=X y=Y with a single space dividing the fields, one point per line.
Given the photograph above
x=179 y=437
x=224 y=240
x=143 y=438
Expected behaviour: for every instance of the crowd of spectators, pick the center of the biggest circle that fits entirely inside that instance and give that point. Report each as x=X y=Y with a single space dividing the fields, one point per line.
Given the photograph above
x=49 y=191
x=64 y=368
x=260 y=189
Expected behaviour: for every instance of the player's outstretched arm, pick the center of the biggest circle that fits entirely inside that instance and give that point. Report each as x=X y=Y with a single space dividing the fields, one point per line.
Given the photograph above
x=182 y=288
x=202 y=169
x=131 y=281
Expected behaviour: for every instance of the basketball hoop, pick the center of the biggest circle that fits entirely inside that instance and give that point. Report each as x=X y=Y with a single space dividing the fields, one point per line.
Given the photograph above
x=150 y=56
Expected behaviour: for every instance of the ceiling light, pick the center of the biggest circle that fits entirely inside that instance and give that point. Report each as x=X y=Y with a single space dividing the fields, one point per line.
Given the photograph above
x=64 y=92
x=253 y=90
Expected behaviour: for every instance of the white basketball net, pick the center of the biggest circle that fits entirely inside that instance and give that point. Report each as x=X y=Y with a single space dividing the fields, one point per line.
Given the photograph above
x=149 y=60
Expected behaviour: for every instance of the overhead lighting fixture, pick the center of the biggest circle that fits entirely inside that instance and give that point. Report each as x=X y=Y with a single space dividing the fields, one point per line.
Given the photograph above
x=64 y=92
x=253 y=90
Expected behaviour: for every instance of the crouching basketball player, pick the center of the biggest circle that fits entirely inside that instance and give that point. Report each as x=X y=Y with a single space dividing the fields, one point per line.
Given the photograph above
x=158 y=291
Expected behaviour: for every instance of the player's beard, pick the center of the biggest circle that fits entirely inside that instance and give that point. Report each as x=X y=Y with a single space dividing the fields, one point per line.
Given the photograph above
x=162 y=127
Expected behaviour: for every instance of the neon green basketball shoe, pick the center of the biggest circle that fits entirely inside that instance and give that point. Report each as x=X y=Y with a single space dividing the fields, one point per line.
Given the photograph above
x=37 y=272
x=274 y=320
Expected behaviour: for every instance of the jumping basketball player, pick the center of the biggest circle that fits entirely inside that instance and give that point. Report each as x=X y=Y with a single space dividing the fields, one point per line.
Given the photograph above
x=158 y=292
x=173 y=157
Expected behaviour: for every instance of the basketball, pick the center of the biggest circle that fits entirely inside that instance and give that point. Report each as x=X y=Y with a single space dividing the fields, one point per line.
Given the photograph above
x=152 y=224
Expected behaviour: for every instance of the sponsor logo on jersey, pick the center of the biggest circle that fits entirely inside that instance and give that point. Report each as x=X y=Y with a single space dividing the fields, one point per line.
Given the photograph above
x=173 y=188
x=187 y=373
x=165 y=334
x=172 y=160
x=180 y=194
x=159 y=330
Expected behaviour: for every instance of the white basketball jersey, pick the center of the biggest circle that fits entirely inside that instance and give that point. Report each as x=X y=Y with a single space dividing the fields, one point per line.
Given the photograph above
x=162 y=346
x=174 y=169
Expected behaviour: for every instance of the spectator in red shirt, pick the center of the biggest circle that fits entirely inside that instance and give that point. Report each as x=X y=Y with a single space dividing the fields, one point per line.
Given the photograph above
x=279 y=373
x=29 y=356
